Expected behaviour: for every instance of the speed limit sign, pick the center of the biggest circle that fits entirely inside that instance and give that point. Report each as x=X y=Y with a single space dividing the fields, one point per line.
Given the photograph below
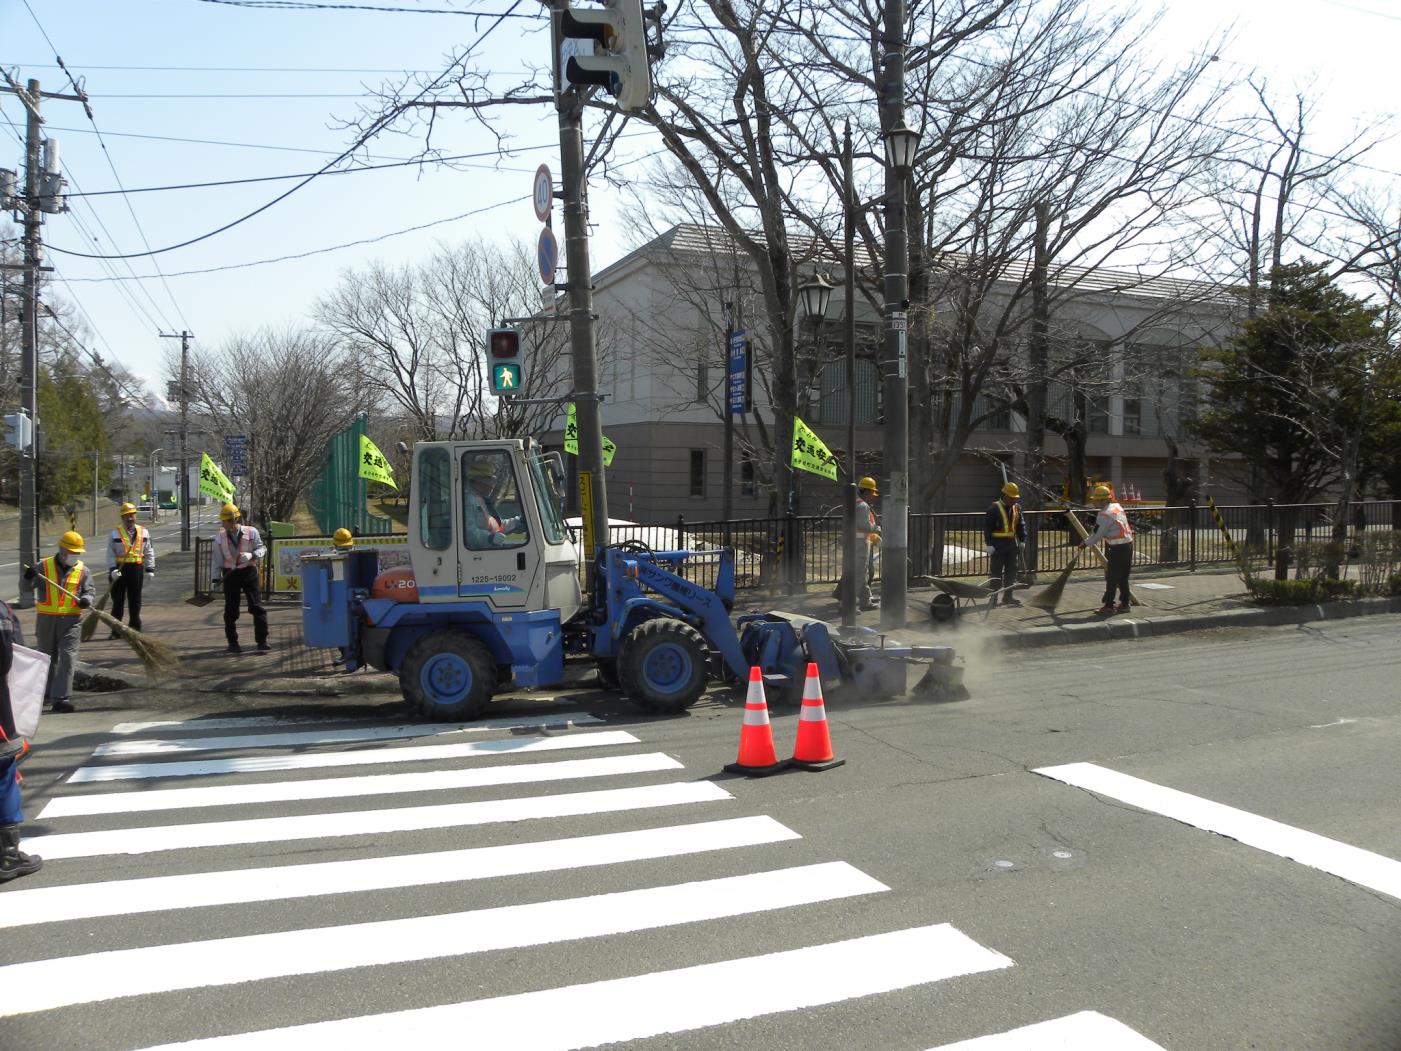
x=543 y=192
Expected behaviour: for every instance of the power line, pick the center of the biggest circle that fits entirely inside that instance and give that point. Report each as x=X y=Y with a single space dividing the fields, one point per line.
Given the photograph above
x=375 y=128
x=307 y=5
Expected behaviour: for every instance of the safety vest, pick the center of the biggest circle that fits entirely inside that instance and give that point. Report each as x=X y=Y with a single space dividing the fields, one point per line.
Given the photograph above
x=865 y=519
x=55 y=603
x=133 y=551
x=1120 y=532
x=228 y=553
x=1009 y=523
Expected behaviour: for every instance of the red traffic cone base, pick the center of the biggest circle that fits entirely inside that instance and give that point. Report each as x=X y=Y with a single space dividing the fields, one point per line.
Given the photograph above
x=757 y=757
x=813 y=749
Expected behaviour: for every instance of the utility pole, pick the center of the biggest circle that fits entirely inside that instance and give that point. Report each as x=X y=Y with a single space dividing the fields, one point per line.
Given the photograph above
x=43 y=192
x=850 y=566
x=1038 y=348
x=184 y=338
x=895 y=520
x=593 y=491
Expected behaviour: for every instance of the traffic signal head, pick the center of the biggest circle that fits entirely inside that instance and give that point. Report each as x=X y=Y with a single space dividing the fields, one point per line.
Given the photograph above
x=504 y=345
x=620 y=63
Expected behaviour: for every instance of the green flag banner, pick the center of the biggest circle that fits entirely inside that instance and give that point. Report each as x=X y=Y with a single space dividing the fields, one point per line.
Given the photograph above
x=373 y=465
x=810 y=453
x=571 y=439
x=212 y=481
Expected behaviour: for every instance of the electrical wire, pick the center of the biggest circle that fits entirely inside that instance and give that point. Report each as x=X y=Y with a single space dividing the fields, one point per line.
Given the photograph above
x=374 y=129
x=307 y=5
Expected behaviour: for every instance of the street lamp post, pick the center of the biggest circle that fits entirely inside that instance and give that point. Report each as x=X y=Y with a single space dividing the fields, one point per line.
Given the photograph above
x=900 y=142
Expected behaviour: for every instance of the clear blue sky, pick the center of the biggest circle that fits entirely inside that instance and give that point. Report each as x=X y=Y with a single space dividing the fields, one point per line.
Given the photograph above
x=165 y=73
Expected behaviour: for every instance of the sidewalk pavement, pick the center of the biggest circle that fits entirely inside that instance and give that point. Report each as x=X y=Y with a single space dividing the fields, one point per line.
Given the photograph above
x=1172 y=602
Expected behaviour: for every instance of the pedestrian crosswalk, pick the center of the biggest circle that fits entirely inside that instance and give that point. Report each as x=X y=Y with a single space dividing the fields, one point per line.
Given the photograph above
x=192 y=832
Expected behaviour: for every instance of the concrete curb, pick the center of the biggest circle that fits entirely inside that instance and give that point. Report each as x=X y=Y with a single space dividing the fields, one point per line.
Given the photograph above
x=1122 y=627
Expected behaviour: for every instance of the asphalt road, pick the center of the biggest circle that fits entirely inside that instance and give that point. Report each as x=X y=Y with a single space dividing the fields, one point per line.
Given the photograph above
x=939 y=888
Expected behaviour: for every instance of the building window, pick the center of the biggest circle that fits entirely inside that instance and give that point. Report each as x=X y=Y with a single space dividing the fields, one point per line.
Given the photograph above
x=702 y=381
x=747 y=484
x=1133 y=416
x=697 y=472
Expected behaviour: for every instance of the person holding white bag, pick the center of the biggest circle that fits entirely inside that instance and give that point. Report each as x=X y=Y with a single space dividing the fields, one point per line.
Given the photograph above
x=13 y=861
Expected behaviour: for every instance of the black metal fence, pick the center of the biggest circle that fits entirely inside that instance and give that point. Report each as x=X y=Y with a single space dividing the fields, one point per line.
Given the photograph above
x=797 y=551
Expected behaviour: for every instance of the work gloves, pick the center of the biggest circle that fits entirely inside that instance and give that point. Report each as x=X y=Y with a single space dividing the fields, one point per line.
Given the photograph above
x=84 y=602
x=992 y=550
x=245 y=557
x=113 y=574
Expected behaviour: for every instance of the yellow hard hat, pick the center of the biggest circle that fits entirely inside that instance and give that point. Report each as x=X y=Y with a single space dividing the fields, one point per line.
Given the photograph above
x=127 y=509
x=342 y=538
x=481 y=468
x=72 y=542
x=868 y=483
x=228 y=513
x=1101 y=492
x=1010 y=489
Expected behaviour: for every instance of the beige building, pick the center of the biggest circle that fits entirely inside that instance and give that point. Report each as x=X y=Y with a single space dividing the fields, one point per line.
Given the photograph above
x=662 y=314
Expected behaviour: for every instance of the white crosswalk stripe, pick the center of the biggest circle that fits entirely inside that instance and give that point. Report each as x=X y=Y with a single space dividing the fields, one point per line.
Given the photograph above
x=678 y=832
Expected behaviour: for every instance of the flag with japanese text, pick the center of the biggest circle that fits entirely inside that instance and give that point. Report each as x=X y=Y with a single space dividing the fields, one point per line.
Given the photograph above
x=373 y=465
x=810 y=453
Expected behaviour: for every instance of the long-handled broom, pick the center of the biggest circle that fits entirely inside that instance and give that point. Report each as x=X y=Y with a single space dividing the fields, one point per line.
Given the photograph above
x=90 y=620
x=1134 y=600
x=1051 y=594
x=156 y=657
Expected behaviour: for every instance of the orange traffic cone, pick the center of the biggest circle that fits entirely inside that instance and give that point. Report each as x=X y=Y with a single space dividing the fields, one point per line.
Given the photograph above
x=813 y=750
x=757 y=757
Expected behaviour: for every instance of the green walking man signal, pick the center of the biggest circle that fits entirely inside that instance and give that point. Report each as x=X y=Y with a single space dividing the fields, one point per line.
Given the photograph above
x=504 y=345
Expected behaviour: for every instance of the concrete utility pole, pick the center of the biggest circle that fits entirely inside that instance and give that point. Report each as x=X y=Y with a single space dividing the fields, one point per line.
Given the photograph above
x=184 y=484
x=42 y=193
x=895 y=519
x=593 y=491
x=851 y=566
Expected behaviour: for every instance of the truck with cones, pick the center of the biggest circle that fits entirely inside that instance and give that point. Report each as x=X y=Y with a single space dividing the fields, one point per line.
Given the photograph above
x=493 y=600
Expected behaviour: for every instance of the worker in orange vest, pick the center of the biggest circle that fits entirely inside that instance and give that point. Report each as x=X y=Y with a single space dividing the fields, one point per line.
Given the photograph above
x=62 y=590
x=1112 y=526
x=131 y=560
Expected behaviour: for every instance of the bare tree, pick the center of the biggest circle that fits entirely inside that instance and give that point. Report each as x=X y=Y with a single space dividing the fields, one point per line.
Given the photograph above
x=290 y=392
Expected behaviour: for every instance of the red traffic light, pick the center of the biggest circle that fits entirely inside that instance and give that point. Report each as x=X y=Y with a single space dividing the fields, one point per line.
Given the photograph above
x=505 y=342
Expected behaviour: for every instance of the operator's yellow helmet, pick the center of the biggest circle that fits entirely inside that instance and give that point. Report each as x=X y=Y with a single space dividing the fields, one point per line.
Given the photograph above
x=342 y=538
x=1010 y=490
x=868 y=484
x=1101 y=492
x=481 y=468
x=228 y=513
x=72 y=542
x=127 y=509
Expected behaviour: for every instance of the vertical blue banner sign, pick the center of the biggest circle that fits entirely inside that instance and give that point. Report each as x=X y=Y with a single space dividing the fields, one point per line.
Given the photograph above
x=739 y=373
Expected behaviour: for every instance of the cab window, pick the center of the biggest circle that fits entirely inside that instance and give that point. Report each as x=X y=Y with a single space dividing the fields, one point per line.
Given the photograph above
x=492 y=513
x=434 y=485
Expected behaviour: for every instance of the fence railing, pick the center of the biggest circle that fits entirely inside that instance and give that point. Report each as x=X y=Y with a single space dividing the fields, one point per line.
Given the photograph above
x=798 y=551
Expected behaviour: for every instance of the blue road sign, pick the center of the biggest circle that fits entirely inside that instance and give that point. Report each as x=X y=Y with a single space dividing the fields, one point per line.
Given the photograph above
x=236 y=453
x=739 y=373
x=547 y=255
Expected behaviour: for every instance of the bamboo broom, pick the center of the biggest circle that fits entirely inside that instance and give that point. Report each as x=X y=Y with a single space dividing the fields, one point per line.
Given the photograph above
x=90 y=621
x=156 y=657
x=1051 y=594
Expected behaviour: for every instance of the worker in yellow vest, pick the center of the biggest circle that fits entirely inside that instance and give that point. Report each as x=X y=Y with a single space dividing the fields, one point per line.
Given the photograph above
x=62 y=590
x=131 y=559
x=1004 y=532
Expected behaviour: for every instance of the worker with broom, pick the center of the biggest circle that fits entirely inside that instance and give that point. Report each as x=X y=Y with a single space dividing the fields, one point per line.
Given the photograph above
x=1112 y=526
x=1004 y=532
x=238 y=549
x=62 y=588
x=131 y=558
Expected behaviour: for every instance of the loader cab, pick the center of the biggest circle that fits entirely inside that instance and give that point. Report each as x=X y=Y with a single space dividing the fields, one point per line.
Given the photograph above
x=485 y=524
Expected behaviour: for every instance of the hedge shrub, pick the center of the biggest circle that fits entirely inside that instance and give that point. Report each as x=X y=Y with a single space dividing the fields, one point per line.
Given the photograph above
x=1301 y=592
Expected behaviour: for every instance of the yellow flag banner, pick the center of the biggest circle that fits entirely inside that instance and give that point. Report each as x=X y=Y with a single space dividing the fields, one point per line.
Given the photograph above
x=212 y=481
x=571 y=439
x=810 y=453
x=373 y=465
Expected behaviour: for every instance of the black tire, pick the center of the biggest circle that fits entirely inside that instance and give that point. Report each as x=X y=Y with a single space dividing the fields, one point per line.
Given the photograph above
x=662 y=665
x=607 y=672
x=448 y=676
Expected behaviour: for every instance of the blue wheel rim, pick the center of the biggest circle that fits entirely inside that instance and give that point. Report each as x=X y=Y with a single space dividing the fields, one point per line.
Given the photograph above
x=667 y=668
x=446 y=678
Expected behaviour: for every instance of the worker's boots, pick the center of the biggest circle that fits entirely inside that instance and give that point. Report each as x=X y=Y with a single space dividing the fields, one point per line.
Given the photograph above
x=13 y=861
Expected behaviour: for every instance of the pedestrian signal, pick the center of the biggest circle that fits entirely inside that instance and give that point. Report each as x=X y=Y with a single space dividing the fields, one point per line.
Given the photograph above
x=504 y=345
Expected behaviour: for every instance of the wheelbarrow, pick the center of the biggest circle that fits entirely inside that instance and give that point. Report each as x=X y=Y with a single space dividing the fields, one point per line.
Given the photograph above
x=959 y=596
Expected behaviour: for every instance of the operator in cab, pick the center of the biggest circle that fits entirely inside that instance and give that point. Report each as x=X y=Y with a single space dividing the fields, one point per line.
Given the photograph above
x=486 y=525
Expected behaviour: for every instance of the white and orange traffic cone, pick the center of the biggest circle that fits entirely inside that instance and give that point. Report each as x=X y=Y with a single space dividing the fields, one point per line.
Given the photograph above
x=813 y=749
x=757 y=757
